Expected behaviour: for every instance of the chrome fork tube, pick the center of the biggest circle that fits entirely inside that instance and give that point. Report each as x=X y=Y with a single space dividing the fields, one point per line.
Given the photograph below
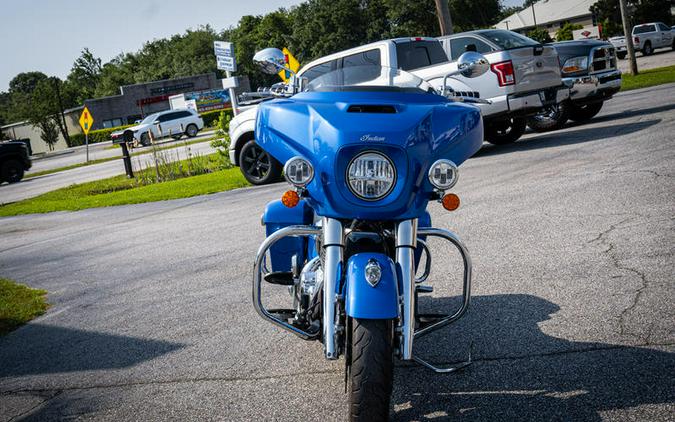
x=406 y=238
x=333 y=245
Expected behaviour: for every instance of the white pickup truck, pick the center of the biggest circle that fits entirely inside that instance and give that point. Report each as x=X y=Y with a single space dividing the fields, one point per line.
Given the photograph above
x=522 y=81
x=646 y=38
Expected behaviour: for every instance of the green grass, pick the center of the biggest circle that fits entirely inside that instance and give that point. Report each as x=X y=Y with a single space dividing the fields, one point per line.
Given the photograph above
x=647 y=78
x=121 y=191
x=19 y=304
x=104 y=160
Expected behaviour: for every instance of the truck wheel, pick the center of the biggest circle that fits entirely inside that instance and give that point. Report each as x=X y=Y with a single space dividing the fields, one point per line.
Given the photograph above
x=621 y=56
x=371 y=369
x=584 y=112
x=551 y=118
x=505 y=131
x=647 y=49
x=12 y=171
x=191 y=131
x=145 y=139
x=257 y=166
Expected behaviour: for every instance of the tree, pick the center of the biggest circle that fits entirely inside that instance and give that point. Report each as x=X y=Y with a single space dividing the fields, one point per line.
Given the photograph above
x=474 y=14
x=85 y=75
x=49 y=132
x=540 y=34
x=25 y=83
x=565 y=31
x=410 y=18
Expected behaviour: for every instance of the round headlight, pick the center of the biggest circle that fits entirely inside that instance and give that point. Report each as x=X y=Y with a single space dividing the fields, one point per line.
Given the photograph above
x=298 y=171
x=371 y=176
x=443 y=174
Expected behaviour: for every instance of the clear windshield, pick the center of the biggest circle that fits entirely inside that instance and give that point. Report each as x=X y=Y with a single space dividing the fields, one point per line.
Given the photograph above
x=369 y=78
x=151 y=118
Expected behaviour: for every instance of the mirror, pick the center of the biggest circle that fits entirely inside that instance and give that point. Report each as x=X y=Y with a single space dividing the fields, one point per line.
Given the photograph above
x=472 y=64
x=270 y=60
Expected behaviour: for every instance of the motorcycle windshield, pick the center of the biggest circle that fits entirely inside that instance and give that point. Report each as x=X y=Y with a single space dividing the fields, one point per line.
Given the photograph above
x=369 y=78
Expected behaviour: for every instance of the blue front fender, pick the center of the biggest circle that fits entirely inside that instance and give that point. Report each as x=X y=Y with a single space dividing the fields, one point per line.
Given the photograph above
x=362 y=299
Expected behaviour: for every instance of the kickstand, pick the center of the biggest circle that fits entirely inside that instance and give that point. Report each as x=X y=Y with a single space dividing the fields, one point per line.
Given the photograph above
x=446 y=370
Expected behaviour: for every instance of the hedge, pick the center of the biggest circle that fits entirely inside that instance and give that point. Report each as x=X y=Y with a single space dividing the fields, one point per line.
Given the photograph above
x=211 y=117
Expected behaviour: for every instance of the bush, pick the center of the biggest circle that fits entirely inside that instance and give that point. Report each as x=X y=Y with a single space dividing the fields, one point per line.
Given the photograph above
x=540 y=34
x=211 y=118
x=95 y=136
x=565 y=31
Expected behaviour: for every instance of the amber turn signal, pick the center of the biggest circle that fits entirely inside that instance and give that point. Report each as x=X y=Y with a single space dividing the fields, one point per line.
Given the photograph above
x=450 y=202
x=290 y=198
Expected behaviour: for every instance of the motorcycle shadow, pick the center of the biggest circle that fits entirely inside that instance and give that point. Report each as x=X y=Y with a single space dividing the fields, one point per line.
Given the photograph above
x=521 y=373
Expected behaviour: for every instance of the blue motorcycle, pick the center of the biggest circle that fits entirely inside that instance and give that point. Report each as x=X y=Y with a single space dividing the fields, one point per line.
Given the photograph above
x=365 y=149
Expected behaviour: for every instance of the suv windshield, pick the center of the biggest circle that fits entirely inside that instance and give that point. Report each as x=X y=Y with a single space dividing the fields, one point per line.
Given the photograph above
x=369 y=78
x=507 y=40
x=151 y=118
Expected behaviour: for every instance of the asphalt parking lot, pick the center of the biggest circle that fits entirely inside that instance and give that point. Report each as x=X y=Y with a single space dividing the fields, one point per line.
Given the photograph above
x=572 y=234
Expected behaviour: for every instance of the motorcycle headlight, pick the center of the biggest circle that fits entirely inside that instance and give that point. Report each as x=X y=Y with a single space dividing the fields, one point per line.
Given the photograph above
x=371 y=176
x=443 y=174
x=575 y=64
x=298 y=171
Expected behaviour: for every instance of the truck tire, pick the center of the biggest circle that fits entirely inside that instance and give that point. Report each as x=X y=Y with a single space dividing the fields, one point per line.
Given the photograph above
x=11 y=171
x=621 y=56
x=647 y=49
x=371 y=369
x=551 y=118
x=257 y=165
x=505 y=131
x=584 y=112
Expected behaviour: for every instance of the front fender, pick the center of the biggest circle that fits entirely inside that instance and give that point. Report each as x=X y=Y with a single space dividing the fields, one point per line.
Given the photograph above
x=362 y=299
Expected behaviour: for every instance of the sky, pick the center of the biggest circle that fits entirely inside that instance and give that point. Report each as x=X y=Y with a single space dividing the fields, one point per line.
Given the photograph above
x=48 y=35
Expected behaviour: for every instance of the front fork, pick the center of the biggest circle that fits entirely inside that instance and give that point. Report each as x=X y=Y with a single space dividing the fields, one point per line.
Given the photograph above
x=406 y=242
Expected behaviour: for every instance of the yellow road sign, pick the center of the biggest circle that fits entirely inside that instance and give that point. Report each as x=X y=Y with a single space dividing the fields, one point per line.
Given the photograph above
x=86 y=120
x=291 y=62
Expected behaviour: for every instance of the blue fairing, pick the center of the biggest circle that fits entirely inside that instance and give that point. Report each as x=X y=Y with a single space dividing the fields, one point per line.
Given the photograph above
x=317 y=126
x=278 y=216
x=364 y=300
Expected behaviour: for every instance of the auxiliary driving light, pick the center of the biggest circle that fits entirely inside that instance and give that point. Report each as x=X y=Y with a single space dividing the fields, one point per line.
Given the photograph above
x=443 y=174
x=298 y=171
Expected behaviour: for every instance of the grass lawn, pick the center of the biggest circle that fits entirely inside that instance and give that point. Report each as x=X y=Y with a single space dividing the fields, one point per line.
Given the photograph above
x=120 y=191
x=646 y=78
x=19 y=304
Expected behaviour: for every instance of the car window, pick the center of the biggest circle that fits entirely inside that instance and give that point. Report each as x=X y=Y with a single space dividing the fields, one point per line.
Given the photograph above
x=507 y=40
x=463 y=44
x=320 y=69
x=664 y=27
x=367 y=58
x=644 y=29
x=416 y=54
x=182 y=114
x=168 y=116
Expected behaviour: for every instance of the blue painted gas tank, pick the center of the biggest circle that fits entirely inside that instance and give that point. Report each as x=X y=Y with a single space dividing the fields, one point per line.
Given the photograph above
x=330 y=128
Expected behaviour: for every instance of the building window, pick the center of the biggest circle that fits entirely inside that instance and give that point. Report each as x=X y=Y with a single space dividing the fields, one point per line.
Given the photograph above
x=107 y=124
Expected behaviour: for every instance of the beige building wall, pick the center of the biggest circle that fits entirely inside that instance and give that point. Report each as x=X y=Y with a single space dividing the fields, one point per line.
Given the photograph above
x=26 y=130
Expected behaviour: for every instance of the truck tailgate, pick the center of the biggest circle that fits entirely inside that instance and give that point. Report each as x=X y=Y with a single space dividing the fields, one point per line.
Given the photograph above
x=535 y=68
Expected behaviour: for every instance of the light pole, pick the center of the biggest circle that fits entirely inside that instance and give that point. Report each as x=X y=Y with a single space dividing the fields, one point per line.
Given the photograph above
x=507 y=24
x=629 y=37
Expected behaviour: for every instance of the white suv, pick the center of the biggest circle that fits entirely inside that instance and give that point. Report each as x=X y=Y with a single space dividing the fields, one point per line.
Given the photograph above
x=173 y=123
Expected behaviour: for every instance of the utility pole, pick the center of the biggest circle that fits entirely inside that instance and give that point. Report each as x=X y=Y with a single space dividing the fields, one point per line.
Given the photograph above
x=507 y=24
x=629 y=37
x=444 y=19
x=534 y=17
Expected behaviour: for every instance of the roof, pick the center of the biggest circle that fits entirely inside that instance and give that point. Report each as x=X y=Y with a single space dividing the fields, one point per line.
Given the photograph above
x=547 y=11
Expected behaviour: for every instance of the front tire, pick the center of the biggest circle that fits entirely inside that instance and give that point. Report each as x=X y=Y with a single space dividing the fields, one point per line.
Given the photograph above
x=145 y=139
x=584 y=112
x=11 y=171
x=372 y=369
x=552 y=118
x=505 y=131
x=257 y=165
x=191 y=130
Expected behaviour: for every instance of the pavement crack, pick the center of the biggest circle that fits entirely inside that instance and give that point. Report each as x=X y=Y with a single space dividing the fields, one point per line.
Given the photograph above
x=54 y=394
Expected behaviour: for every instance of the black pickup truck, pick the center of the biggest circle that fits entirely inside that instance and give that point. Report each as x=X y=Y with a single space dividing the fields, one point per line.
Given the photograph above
x=588 y=68
x=14 y=161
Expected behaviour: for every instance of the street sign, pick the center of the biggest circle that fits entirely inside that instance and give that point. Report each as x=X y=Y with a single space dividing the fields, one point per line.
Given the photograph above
x=225 y=56
x=226 y=63
x=291 y=63
x=231 y=82
x=86 y=120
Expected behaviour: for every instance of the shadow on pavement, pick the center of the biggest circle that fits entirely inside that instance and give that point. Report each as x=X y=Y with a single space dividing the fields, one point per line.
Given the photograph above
x=569 y=137
x=43 y=349
x=521 y=373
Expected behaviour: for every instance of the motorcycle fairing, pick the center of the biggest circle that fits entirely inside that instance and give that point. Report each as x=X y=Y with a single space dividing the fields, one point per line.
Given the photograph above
x=278 y=216
x=371 y=302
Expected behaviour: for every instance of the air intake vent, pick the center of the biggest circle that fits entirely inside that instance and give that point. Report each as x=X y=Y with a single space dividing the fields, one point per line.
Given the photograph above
x=371 y=108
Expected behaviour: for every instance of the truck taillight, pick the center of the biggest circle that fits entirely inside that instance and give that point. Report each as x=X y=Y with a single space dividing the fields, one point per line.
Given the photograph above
x=504 y=71
x=636 y=40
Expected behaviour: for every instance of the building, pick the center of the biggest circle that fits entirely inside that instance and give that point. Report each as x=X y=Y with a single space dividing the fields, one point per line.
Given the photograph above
x=33 y=135
x=137 y=101
x=551 y=15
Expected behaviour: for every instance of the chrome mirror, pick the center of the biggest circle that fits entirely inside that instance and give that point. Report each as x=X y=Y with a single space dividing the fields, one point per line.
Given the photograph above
x=472 y=64
x=270 y=60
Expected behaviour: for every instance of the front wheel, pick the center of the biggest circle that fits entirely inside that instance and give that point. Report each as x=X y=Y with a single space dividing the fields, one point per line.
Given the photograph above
x=506 y=131
x=371 y=370
x=551 y=118
x=257 y=166
x=585 y=112
x=191 y=131
x=622 y=56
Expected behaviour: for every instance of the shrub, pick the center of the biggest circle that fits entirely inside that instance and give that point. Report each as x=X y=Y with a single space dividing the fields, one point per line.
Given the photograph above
x=95 y=136
x=211 y=118
x=565 y=31
x=539 y=34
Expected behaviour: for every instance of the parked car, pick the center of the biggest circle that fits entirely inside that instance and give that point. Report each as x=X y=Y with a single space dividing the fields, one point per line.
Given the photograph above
x=525 y=79
x=534 y=67
x=173 y=123
x=646 y=38
x=588 y=68
x=14 y=161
